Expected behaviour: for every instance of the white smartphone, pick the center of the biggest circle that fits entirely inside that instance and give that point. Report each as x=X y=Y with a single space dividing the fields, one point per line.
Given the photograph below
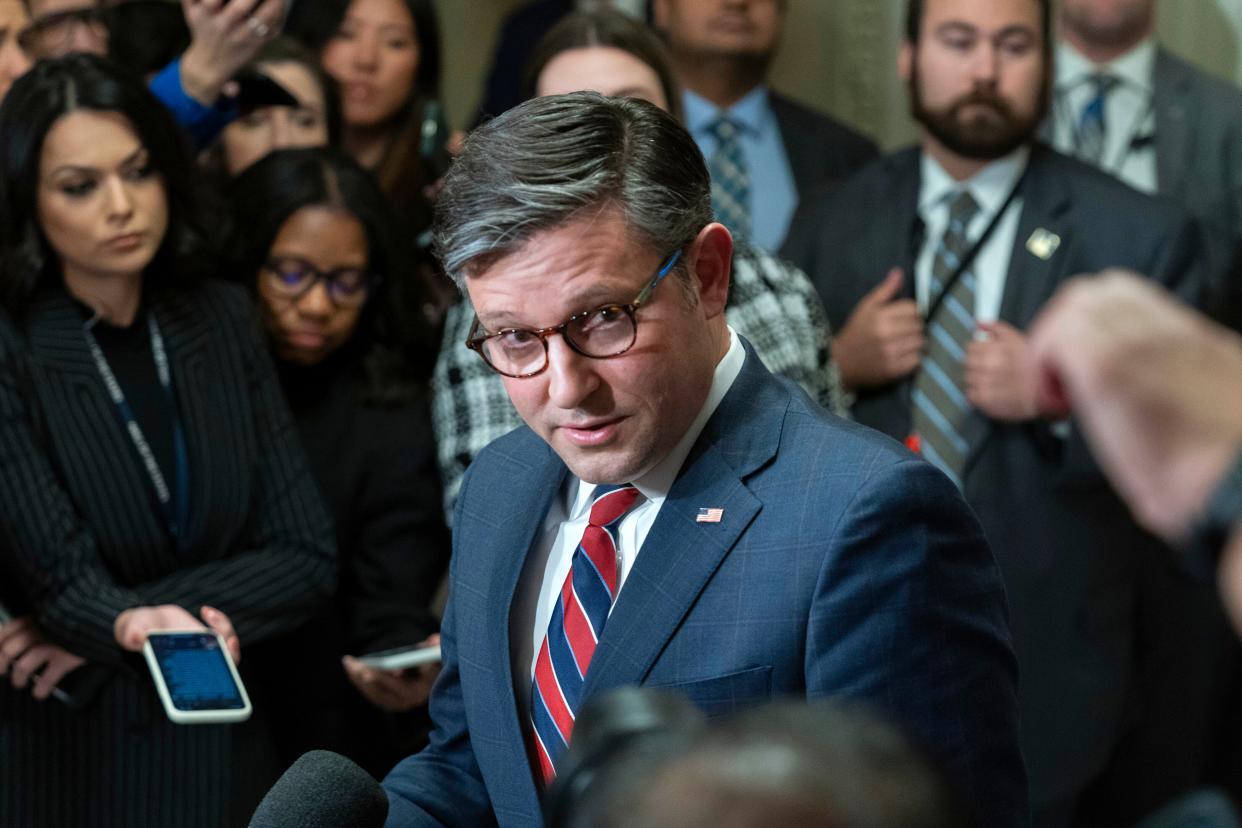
x=196 y=678
x=402 y=658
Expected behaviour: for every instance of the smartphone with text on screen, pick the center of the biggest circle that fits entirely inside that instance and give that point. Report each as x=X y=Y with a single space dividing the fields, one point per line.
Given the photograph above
x=196 y=678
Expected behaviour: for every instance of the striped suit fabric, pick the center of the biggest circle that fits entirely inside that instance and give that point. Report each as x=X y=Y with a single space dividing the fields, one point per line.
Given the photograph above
x=81 y=540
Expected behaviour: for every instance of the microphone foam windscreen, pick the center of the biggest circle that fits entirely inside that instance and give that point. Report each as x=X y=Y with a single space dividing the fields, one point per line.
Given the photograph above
x=323 y=789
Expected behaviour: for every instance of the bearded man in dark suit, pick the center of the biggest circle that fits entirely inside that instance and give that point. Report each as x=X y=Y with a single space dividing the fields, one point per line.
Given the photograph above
x=931 y=263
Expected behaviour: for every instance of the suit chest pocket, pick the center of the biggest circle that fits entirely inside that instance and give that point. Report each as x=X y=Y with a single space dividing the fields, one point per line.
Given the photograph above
x=721 y=695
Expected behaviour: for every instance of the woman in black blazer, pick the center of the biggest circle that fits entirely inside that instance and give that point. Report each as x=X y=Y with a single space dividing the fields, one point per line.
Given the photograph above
x=148 y=465
x=318 y=242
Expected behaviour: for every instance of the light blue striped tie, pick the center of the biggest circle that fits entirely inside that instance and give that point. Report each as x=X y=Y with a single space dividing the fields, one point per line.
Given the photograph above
x=941 y=410
x=730 y=178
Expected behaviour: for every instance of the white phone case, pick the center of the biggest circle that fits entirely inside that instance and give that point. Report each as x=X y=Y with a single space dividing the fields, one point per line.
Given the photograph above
x=402 y=658
x=196 y=716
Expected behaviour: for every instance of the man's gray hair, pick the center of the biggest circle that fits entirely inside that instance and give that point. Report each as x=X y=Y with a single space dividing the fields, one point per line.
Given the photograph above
x=544 y=163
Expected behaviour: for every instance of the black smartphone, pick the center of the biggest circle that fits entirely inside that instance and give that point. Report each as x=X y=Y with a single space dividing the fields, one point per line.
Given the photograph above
x=80 y=687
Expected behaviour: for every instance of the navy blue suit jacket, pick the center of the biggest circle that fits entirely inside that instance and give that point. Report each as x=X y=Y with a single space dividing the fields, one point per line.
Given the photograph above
x=843 y=566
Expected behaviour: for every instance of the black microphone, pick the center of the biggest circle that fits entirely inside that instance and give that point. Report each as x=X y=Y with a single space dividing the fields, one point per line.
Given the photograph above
x=323 y=789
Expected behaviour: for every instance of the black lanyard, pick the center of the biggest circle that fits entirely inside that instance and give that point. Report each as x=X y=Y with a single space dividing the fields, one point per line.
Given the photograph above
x=975 y=249
x=173 y=504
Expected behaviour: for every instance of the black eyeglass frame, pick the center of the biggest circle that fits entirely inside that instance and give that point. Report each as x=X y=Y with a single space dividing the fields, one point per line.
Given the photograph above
x=370 y=281
x=630 y=309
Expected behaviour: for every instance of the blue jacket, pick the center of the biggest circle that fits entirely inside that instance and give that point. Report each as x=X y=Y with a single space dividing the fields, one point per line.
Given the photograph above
x=843 y=566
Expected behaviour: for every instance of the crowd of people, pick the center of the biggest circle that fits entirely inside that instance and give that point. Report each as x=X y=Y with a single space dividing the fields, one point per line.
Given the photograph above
x=275 y=362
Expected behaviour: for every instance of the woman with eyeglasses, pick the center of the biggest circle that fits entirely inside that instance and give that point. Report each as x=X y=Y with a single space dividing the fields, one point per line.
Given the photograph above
x=342 y=313
x=385 y=58
x=149 y=476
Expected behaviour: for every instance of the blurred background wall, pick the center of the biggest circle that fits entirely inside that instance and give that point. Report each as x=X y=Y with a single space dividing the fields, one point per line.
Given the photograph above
x=839 y=55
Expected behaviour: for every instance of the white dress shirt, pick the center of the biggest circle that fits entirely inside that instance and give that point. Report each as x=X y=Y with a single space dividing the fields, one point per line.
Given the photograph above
x=545 y=571
x=1129 y=112
x=990 y=187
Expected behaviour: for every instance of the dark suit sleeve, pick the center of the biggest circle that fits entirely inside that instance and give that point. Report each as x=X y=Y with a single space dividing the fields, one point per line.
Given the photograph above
x=442 y=785
x=283 y=566
x=398 y=557
x=910 y=614
x=76 y=600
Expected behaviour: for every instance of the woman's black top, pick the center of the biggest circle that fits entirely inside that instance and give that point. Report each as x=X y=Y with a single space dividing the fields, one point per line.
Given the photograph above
x=375 y=466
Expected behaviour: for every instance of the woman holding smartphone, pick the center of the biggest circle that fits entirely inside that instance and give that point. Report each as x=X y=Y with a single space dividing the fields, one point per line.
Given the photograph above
x=342 y=311
x=149 y=473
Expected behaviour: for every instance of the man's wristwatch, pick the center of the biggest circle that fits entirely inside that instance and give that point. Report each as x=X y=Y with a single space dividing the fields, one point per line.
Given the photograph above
x=1216 y=524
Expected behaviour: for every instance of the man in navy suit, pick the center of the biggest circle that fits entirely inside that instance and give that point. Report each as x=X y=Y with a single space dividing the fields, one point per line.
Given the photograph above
x=672 y=514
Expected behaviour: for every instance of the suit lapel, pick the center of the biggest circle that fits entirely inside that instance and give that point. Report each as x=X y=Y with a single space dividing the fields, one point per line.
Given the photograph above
x=75 y=402
x=806 y=158
x=186 y=334
x=504 y=545
x=1172 y=127
x=1045 y=202
x=680 y=554
x=887 y=242
x=1032 y=277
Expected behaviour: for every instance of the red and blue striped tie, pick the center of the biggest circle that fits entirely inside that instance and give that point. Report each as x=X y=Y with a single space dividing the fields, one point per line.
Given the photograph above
x=578 y=618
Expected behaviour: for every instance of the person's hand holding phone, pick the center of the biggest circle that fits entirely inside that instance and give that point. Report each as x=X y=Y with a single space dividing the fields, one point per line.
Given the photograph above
x=133 y=625
x=26 y=653
x=226 y=35
x=394 y=691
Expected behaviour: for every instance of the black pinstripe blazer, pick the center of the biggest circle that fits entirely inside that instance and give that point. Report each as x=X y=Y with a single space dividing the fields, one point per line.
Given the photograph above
x=81 y=540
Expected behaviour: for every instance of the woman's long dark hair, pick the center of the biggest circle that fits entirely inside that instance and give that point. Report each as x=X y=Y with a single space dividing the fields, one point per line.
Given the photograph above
x=604 y=29
x=393 y=337
x=36 y=101
x=402 y=172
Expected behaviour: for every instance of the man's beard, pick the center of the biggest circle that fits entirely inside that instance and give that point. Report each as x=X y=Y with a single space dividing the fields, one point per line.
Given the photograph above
x=981 y=135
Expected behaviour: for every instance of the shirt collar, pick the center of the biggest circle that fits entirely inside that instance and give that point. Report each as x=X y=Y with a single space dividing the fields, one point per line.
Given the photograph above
x=753 y=112
x=990 y=186
x=1136 y=68
x=656 y=483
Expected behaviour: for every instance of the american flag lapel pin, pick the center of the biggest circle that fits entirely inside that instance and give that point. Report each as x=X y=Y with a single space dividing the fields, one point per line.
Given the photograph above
x=707 y=515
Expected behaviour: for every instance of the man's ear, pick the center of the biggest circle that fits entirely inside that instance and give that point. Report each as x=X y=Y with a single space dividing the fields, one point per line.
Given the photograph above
x=711 y=263
x=905 y=61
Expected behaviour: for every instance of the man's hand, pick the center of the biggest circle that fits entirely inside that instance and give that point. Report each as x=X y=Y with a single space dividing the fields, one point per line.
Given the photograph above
x=394 y=692
x=1156 y=387
x=882 y=341
x=225 y=36
x=132 y=626
x=998 y=374
x=25 y=653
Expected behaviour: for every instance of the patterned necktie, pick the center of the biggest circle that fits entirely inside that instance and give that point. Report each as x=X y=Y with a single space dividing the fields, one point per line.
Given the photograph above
x=941 y=410
x=1093 y=124
x=577 y=622
x=730 y=178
